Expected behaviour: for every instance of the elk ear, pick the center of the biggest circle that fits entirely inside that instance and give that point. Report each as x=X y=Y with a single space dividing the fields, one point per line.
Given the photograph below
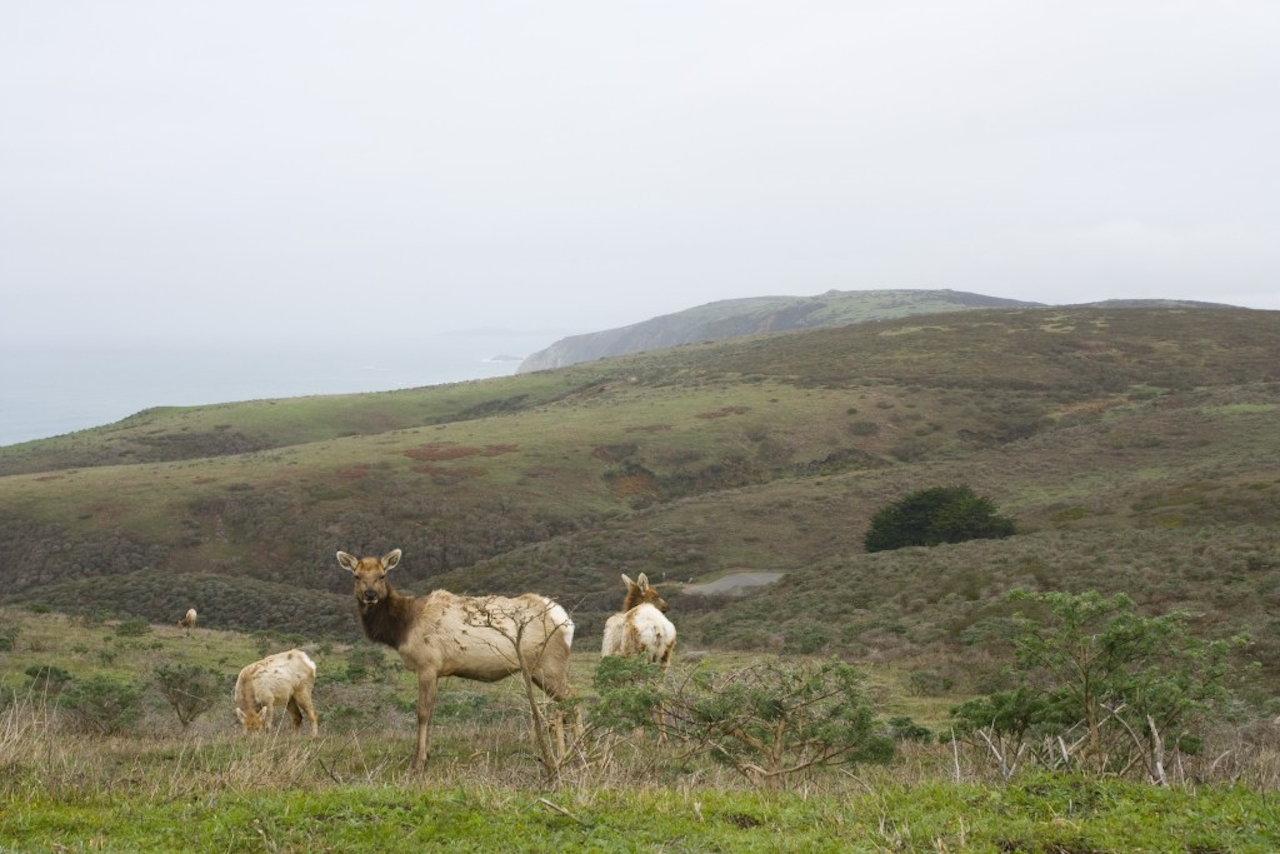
x=643 y=582
x=240 y=714
x=627 y=581
x=347 y=561
x=390 y=559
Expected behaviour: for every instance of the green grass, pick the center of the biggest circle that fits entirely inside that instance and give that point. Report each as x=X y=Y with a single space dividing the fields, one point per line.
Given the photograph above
x=1048 y=816
x=209 y=788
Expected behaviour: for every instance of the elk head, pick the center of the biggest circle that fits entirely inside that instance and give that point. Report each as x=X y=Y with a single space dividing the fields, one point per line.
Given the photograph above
x=370 y=575
x=639 y=592
x=251 y=720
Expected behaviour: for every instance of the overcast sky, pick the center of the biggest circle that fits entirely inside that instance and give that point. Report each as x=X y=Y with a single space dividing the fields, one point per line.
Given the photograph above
x=180 y=170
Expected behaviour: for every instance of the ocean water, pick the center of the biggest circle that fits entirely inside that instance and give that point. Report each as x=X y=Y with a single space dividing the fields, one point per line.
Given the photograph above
x=52 y=391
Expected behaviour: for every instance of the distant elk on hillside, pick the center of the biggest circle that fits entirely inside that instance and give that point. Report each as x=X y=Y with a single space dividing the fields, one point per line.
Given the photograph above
x=641 y=629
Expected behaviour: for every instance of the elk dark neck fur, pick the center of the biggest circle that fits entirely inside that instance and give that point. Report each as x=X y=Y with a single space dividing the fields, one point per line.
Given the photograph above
x=389 y=619
x=634 y=598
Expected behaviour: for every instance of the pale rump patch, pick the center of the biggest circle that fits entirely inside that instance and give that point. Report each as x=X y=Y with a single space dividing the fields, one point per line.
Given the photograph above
x=641 y=630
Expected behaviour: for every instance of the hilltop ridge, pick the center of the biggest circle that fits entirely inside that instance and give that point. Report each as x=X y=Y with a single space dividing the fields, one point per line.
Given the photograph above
x=730 y=318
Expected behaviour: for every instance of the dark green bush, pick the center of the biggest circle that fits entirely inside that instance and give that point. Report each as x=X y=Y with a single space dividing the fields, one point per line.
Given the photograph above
x=930 y=517
x=905 y=729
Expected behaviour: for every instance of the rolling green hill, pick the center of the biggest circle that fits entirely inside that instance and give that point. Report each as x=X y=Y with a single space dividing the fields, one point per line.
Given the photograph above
x=753 y=315
x=734 y=318
x=1136 y=448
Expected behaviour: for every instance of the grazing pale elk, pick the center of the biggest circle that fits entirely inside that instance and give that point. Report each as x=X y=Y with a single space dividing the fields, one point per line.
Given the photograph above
x=284 y=679
x=641 y=630
x=188 y=621
x=483 y=638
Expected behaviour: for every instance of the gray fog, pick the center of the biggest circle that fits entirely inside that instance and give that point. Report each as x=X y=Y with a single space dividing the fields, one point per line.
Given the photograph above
x=360 y=171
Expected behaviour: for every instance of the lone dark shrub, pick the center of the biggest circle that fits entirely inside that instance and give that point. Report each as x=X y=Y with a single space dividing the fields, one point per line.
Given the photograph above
x=930 y=517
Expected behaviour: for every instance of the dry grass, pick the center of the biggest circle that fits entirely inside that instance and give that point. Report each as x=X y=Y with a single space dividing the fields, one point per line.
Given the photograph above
x=39 y=757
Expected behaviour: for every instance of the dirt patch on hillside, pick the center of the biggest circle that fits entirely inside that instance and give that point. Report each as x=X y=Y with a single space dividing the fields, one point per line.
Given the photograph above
x=734 y=584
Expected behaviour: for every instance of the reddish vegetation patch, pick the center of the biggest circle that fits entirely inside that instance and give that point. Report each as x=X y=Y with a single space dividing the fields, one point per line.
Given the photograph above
x=439 y=451
x=353 y=473
x=450 y=472
x=725 y=412
x=648 y=428
x=50 y=477
x=634 y=485
x=612 y=453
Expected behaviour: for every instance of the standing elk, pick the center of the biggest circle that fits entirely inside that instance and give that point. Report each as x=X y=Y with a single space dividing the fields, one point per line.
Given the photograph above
x=483 y=638
x=283 y=679
x=641 y=630
x=188 y=621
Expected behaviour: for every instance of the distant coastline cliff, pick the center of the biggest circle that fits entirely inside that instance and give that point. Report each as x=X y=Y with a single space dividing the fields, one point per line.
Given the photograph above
x=753 y=315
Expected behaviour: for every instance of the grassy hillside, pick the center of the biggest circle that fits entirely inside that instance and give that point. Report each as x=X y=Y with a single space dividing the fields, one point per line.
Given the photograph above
x=1136 y=449
x=737 y=317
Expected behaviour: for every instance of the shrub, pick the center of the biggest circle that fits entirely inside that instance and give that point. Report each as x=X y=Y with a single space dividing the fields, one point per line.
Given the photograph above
x=365 y=664
x=768 y=721
x=190 y=690
x=929 y=683
x=467 y=706
x=629 y=691
x=943 y=514
x=103 y=705
x=905 y=729
x=1098 y=687
x=47 y=678
x=133 y=628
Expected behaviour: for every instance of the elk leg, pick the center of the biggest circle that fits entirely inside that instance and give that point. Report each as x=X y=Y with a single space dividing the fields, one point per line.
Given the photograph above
x=426 y=702
x=295 y=713
x=308 y=707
